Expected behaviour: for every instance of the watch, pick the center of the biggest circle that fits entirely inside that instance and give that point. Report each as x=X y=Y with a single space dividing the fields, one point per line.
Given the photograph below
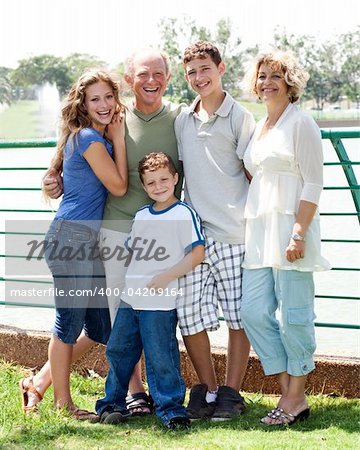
x=297 y=237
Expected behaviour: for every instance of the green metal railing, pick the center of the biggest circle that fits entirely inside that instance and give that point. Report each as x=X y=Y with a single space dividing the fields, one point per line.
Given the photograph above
x=335 y=136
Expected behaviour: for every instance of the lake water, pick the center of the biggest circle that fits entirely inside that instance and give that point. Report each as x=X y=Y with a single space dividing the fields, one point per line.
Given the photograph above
x=331 y=341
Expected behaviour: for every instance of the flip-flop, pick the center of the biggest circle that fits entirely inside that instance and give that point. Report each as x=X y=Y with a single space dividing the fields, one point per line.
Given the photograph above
x=284 y=418
x=25 y=390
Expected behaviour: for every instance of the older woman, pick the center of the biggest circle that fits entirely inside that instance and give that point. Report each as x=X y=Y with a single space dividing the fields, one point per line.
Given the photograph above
x=284 y=159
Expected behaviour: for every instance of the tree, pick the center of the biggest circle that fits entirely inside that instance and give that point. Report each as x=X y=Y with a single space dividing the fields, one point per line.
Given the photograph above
x=38 y=70
x=350 y=65
x=78 y=63
x=233 y=56
x=334 y=66
x=172 y=31
x=324 y=84
x=5 y=86
x=177 y=34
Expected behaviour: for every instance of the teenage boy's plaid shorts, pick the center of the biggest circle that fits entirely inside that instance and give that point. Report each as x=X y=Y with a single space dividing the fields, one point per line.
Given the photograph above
x=215 y=281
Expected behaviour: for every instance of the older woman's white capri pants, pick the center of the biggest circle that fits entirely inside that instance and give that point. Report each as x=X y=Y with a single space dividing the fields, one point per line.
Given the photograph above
x=277 y=313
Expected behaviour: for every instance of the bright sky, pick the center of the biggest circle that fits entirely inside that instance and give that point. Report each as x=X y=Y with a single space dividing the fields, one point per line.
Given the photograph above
x=113 y=29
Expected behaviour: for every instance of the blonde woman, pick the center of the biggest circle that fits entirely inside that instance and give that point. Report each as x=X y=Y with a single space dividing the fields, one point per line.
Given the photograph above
x=282 y=244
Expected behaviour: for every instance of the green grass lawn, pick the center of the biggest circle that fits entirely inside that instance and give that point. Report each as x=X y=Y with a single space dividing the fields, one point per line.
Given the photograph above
x=257 y=109
x=20 y=121
x=333 y=424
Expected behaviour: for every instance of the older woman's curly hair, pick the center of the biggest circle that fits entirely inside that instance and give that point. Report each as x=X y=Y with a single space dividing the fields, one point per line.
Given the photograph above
x=285 y=62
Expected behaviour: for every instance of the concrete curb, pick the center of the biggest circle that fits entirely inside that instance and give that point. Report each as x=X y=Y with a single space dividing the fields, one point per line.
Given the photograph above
x=332 y=376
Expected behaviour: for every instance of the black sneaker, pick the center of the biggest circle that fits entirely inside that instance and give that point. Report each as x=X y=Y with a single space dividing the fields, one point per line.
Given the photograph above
x=178 y=424
x=113 y=416
x=198 y=407
x=229 y=404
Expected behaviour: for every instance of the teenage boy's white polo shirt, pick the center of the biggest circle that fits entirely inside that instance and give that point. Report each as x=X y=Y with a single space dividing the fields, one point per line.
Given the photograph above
x=215 y=182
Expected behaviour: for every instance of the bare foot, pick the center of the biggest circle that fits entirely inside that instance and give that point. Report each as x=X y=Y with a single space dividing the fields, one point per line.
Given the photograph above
x=79 y=414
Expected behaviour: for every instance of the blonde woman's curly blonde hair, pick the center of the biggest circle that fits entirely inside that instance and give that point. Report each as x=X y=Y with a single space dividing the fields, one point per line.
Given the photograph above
x=74 y=116
x=285 y=62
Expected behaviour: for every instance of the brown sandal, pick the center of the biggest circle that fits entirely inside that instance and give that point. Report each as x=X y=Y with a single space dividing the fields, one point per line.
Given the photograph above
x=25 y=390
x=140 y=404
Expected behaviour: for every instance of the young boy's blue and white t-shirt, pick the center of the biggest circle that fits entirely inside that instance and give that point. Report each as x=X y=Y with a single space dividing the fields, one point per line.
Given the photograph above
x=159 y=240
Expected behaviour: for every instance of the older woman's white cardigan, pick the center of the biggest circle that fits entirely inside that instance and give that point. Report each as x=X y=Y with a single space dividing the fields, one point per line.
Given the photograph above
x=287 y=166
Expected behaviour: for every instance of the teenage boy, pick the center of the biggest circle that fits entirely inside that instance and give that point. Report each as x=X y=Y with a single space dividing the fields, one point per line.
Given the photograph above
x=166 y=241
x=212 y=135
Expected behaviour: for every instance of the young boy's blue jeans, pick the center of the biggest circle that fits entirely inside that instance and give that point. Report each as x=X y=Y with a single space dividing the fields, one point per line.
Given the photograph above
x=155 y=333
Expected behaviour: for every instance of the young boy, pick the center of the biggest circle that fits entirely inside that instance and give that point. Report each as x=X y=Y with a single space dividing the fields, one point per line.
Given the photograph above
x=166 y=241
x=212 y=136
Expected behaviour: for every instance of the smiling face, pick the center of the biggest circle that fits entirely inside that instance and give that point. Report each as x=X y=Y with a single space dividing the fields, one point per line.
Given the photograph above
x=148 y=81
x=100 y=104
x=159 y=185
x=204 y=75
x=271 y=85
